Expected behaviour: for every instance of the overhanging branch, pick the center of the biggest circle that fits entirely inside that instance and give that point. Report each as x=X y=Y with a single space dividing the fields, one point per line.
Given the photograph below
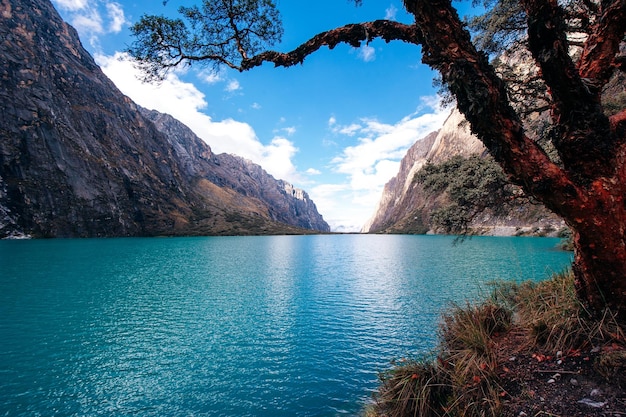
x=352 y=34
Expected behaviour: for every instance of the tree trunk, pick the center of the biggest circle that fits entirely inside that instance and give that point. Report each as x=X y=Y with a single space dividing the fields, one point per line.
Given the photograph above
x=588 y=188
x=600 y=247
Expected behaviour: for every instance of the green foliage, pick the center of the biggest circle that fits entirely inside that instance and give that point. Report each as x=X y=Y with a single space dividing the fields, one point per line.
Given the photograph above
x=501 y=26
x=470 y=185
x=413 y=388
x=216 y=32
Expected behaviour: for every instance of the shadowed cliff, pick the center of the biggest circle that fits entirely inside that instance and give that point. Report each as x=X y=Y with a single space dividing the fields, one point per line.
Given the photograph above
x=78 y=158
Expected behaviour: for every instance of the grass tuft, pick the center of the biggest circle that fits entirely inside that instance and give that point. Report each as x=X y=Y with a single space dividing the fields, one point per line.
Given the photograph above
x=462 y=378
x=458 y=382
x=554 y=318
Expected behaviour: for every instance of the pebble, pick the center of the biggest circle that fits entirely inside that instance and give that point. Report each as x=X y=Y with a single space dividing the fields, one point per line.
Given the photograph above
x=595 y=392
x=573 y=381
x=551 y=381
x=522 y=414
x=592 y=403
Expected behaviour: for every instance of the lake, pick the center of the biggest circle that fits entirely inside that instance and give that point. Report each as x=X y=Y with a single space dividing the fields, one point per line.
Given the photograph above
x=232 y=326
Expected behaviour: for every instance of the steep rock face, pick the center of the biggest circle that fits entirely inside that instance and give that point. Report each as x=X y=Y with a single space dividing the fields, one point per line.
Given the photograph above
x=77 y=158
x=399 y=194
x=405 y=207
x=285 y=203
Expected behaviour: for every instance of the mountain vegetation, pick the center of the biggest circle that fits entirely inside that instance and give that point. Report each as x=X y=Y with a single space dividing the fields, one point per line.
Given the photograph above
x=447 y=183
x=80 y=159
x=585 y=185
x=471 y=185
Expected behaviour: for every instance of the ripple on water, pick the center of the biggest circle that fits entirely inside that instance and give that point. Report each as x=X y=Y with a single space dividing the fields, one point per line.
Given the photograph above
x=259 y=326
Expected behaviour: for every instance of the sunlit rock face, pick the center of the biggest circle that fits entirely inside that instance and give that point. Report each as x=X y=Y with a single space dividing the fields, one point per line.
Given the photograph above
x=78 y=158
x=404 y=207
x=285 y=203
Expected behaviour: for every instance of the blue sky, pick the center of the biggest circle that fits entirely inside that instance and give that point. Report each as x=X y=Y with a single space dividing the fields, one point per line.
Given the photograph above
x=336 y=126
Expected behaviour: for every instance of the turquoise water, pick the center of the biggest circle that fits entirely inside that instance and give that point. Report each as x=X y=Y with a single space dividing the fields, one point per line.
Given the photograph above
x=231 y=326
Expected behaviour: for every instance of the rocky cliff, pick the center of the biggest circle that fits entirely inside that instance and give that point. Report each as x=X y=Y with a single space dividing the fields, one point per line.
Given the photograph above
x=283 y=202
x=407 y=207
x=78 y=158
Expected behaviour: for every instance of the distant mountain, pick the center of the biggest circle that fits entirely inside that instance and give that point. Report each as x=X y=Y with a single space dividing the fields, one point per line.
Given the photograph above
x=78 y=158
x=282 y=201
x=407 y=206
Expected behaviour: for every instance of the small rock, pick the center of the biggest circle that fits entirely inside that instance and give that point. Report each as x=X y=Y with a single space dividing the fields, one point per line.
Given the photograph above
x=556 y=376
x=559 y=354
x=595 y=392
x=522 y=414
x=573 y=381
x=513 y=359
x=559 y=362
x=551 y=381
x=592 y=403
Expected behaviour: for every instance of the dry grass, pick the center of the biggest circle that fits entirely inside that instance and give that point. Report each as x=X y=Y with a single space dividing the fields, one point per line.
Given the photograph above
x=413 y=388
x=554 y=318
x=462 y=380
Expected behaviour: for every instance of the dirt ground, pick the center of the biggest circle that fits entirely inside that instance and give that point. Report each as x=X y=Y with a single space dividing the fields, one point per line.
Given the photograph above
x=581 y=383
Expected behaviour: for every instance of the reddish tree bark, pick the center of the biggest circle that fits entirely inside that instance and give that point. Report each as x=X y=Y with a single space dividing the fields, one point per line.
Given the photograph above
x=589 y=186
x=588 y=189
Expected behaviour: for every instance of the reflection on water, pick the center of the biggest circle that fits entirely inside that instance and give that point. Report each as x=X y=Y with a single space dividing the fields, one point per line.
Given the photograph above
x=231 y=326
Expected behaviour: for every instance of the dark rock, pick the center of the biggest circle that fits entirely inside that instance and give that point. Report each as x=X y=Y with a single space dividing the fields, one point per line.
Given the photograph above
x=78 y=158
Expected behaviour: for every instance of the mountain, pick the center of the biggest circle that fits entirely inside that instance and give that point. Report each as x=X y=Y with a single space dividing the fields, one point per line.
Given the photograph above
x=282 y=202
x=78 y=158
x=407 y=204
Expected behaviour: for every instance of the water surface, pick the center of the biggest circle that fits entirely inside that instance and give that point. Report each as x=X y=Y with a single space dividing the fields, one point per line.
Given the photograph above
x=231 y=326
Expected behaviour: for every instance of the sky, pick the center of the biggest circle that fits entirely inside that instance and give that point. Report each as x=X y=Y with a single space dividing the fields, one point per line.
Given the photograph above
x=336 y=126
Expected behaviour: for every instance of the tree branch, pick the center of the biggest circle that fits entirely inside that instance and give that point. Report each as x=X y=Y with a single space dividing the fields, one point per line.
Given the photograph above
x=584 y=142
x=549 y=46
x=352 y=34
x=618 y=123
x=602 y=46
x=482 y=98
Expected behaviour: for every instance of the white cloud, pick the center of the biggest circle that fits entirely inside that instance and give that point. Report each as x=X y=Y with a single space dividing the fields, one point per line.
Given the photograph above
x=289 y=131
x=256 y=106
x=332 y=200
x=367 y=53
x=87 y=17
x=370 y=163
x=211 y=76
x=277 y=158
x=313 y=171
x=233 y=85
x=348 y=130
x=116 y=17
x=71 y=5
x=89 y=23
x=185 y=102
x=391 y=12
